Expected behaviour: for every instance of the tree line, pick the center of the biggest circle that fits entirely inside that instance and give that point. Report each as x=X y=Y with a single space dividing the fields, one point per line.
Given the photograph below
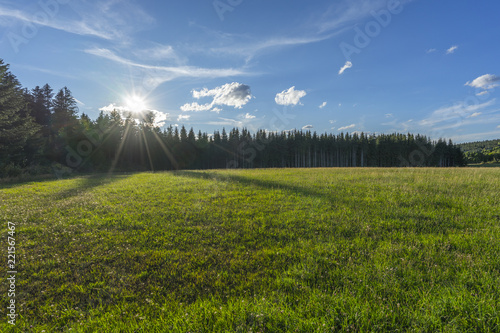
x=482 y=151
x=42 y=131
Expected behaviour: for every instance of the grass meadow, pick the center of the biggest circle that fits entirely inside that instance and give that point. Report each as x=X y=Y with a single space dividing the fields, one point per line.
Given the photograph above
x=275 y=250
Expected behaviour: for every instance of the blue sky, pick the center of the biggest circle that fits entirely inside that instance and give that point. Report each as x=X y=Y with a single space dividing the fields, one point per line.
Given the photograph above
x=422 y=66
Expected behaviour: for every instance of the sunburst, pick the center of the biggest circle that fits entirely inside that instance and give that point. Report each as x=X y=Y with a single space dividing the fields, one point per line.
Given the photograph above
x=136 y=103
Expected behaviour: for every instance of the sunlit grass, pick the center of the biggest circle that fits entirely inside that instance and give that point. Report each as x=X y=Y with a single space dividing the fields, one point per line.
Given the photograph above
x=309 y=250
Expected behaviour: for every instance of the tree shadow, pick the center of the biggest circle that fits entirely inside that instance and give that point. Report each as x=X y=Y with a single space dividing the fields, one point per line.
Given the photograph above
x=8 y=183
x=86 y=183
x=249 y=181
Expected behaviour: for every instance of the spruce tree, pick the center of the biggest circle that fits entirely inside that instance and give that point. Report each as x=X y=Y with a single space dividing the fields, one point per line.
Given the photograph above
x=16 y=125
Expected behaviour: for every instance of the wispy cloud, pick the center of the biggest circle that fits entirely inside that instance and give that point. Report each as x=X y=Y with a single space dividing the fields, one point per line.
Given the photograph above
x=430 y=51
x=109 y=20
x=334 y=21
x=161 y=74
x=306 y=127
x=475 y=114
x=347 y=65
x=485 y=118
x=475 y=136
x=452 y=49
x=45 y=71
x=73 y=27
x=251 y=47
x=225 y=122
x=347 y=127
x=349 y=12
x=159 y=52
x=79 y=102
x=323 y=105
x=452 y=113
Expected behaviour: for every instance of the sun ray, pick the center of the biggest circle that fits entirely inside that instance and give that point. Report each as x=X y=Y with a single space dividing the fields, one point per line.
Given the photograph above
x=120 y=148
x=147 y=150
x=169 y=154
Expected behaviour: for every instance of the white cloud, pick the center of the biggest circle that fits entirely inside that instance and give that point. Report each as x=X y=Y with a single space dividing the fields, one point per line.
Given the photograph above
x=389 y=115
x=156 y=75
x=249 y=116
x=196 y=107
x=111 y=107
x=323 y=105
x=347 y=127
x=486 y=82
x=226 y=122
x=308 y=127
x=250 y=48
x=231 y=94
x=475 y=114
x=160 y=117
x=452 y=49
x=290 y=96
x=109 y=20
x=475 y=136
x=482 y=93
x=342 y=14
x=47 y=71
x=183 y=117
x=430 y=51
x=77 y=28
x=450 y=113
x=498 y=126
x=332 y=121
x=218 y=110
x=347 y=65
x=159 y=52
x=79 y=102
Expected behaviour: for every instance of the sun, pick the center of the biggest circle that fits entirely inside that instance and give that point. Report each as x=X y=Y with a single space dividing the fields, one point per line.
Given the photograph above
x=136 y=104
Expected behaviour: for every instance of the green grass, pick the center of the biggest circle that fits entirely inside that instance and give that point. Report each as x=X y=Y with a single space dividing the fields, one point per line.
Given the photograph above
x=284 y=250
x=485 y=165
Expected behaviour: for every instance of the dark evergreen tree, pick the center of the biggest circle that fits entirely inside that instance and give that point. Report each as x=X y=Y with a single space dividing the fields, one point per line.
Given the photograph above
x=16 y=123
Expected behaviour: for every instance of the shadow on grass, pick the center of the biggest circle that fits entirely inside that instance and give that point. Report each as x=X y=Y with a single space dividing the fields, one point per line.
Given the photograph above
x=83 y=183
x=247 y=181
x=86 y=183
x=7 y=183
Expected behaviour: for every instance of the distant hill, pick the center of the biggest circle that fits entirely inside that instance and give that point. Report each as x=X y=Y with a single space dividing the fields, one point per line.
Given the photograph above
x=481 y=151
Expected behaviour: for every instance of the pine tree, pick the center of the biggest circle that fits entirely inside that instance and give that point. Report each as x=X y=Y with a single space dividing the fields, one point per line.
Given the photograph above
x=16 y=125
x=42 y=104
x=65 y=128
x=64 y=118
